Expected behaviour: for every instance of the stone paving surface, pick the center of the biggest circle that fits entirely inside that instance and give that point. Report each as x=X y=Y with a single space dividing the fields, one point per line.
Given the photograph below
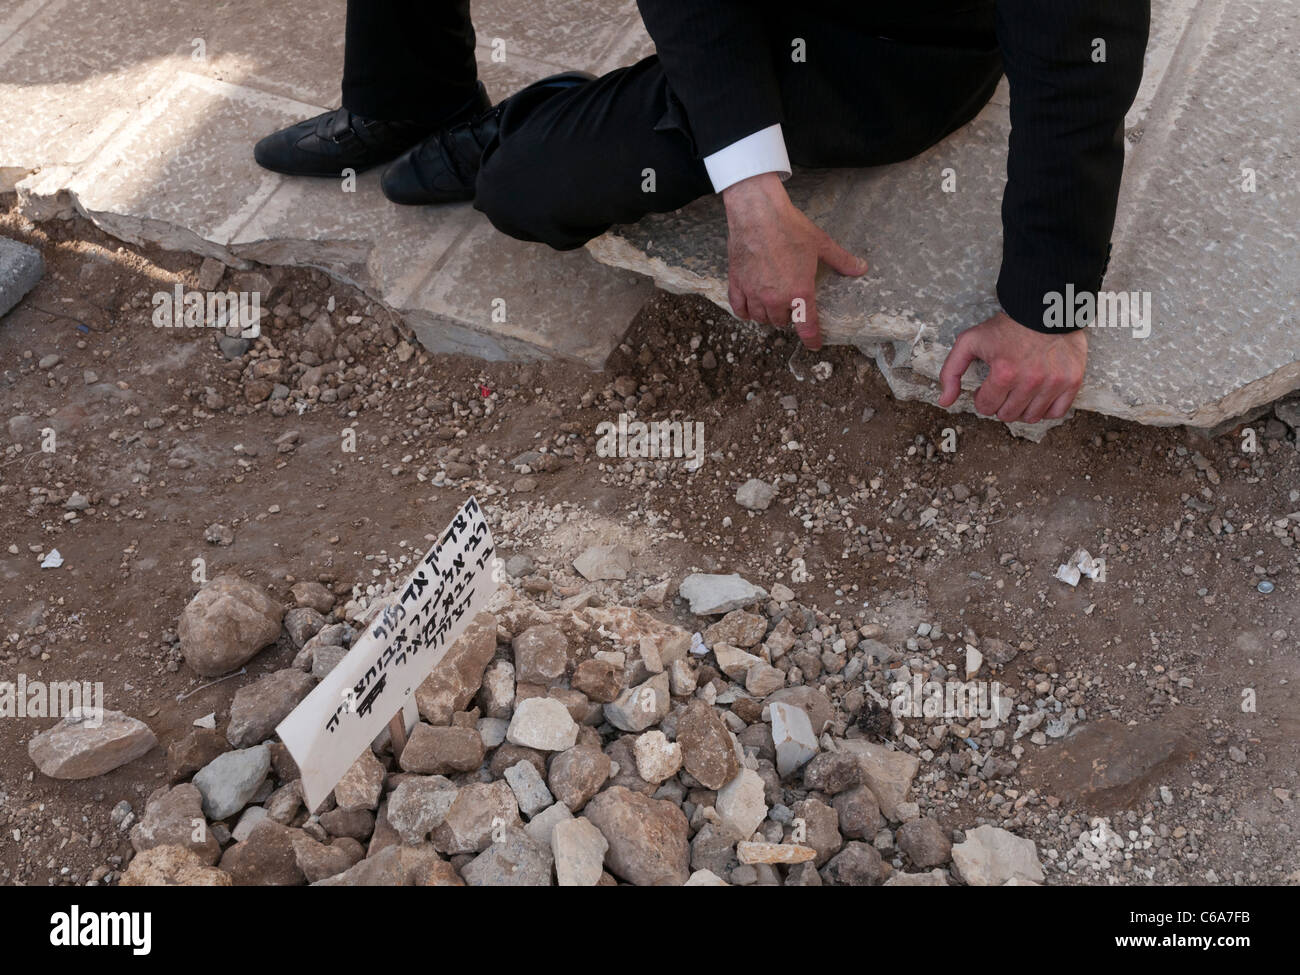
x=1222 y=264
x=114 y=117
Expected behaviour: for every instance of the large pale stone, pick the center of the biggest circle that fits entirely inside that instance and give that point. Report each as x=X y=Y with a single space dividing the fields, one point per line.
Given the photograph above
x=887 y=773
x=86 y=744
x=542 y=723
x=741 y=804
x=640 y=707
x=579 y=849
x=991 y=856
x=229 y=781
x=793 y=737
x=711 y=595
x=172 y=866
x=226 y=623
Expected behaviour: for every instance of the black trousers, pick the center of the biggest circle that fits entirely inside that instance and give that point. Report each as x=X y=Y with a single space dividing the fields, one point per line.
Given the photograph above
x=570 y=163
x=405 y=60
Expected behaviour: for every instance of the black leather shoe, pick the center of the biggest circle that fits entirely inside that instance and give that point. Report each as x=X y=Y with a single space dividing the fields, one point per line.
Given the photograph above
x=444 y=167
x=338 y=140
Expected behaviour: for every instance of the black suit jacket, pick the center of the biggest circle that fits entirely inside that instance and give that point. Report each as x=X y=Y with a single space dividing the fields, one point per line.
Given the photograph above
x=883 y=80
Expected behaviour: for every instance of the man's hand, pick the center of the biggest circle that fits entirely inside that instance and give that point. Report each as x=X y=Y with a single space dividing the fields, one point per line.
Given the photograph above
x=1032 y=375
x=774 y=249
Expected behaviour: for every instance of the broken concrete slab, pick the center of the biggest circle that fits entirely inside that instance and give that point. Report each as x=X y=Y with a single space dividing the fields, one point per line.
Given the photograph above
x=935 y=254
x=21 y=267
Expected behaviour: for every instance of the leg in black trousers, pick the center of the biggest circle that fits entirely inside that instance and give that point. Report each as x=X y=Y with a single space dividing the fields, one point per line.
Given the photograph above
x=569 y=163
x=409 y=61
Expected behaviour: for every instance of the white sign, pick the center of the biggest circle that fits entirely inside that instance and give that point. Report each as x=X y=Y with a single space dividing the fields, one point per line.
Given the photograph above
x=346 y=711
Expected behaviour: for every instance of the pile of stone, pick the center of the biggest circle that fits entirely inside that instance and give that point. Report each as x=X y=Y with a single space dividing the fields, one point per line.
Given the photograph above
x=577 y=744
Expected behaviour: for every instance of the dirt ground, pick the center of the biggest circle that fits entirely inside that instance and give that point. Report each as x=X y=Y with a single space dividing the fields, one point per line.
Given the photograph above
x=170 y=444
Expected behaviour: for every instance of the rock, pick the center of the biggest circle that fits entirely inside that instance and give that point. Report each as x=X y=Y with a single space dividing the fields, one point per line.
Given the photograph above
x=452 y=684
x=819 y=828
x=21 y=266
x=933 y=878
x=741 y=804
x=578 y=774
x=991 y=856
x=542 y=723
x=496 y=697
x=888 y=774
x=398 y=866
x=601 y=562
x=530 y=791
x=88 y=743
x=762 y=679
x=302 y=623
x=579 y=850
x=637 y=628
x=542 y=826
x=647 y=837
x=362 y=785
x=478 y=811
x=225 y=625
x=266 y=859
x=313 y=596
x=857 y=865
x=792 y=737
x=541 y=654
x=925 y=842
x=707 y=750
x=174 y=817
x=755 y=495
x=358 y=824
x=247 y=820
x=637 y=708
x=172 y=866
x=189 y=754
x=600 y=680
x=657 y=758
x=733 y=661
x=512 y=861
x=231 y=780
x=737 y=629
x=774 y=852
x=418 y=805
x=442 y=750
x=832 y=773
x=705 y=878
x=859 y=813
x=811 y=701
x=317 y=860
x=710 y=595
x=258 y=707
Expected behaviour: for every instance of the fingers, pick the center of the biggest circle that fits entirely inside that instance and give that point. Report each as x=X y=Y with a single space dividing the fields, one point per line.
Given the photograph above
x=1042 y=402
x=993 y=392
x=954 y=367
x=1023 y=391
x=739 y=306
x=1063 y=403
x=806 y=323
x=839 y=259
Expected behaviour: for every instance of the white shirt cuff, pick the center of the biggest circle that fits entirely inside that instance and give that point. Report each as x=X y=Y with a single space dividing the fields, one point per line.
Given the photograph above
x=762 y=152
